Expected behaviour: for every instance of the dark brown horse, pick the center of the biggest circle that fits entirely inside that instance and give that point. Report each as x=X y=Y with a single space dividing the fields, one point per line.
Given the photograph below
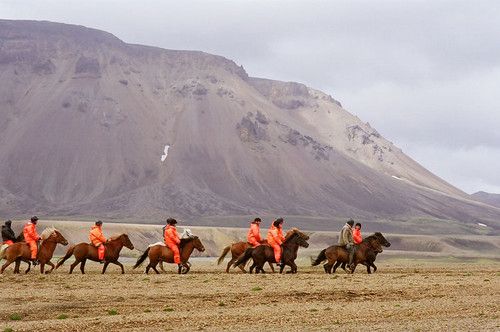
x=237 y=249
x=20 y=251
x=366 y=254
x=84 y=251
x=160 y=253
x=265 y=253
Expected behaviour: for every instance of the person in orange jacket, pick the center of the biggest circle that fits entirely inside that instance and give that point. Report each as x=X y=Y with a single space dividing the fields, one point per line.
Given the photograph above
x=275 y=238
x=172 y=239
x=357 y=239
x=31 y=237
x=253 y=236
x=97 y=239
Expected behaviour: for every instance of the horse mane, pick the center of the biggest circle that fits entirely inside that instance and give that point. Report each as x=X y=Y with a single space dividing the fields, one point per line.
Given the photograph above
x=115 y=237
x=370 y=237
x=186 y=240
x=296 y=231
x=47 y=232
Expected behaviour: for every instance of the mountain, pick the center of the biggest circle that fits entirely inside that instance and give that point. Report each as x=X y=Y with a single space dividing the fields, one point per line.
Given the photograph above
x=93 y=126
x=487 y=198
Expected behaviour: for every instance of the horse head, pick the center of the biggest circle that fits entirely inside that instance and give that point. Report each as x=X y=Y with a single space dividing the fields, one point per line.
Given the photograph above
x=126 y=241
x=296 y=236
x=197 y=244
x=51 y=234
x=382 y=240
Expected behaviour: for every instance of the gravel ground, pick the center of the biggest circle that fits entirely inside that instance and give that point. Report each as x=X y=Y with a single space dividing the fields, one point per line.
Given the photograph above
x=401 y=295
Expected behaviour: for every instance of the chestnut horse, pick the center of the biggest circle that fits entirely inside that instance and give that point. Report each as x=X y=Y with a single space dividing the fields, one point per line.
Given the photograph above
x=265 y=253
x=20 y=251
x=84 y=251
x=237 y=249
x=159 y=252
x=366 y=254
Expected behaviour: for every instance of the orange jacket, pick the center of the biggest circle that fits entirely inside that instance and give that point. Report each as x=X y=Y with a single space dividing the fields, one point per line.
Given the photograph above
x=171 y=237
x=30 y=233
x=254 y=233
x=356 y=236
x=275 y=235
x=96 y=237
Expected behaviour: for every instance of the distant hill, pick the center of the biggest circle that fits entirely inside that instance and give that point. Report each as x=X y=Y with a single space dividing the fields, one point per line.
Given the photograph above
x=488 y=198
x=93 y=126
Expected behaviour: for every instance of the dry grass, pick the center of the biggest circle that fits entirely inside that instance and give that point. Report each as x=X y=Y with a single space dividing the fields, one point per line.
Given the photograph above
x=402 y=295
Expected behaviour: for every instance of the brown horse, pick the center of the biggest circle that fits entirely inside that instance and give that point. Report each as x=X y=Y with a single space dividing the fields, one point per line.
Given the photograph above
x=265 y=253
x=366 y=254
x=158 y=253
x=20 y=251
x=84 y=251
x=237 y=249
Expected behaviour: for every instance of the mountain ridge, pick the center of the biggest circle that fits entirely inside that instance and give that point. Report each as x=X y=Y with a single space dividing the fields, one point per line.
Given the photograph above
x=87 y=120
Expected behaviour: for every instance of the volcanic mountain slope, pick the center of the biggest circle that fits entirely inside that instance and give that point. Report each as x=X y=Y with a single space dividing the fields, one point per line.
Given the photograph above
x=86 y=121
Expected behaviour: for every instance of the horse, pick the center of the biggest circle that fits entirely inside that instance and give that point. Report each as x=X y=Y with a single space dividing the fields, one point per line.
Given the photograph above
x=237 y=249
x=365 y=254
x=159 y=252
x=84 y=251
x=20 y=251
x=265 y=253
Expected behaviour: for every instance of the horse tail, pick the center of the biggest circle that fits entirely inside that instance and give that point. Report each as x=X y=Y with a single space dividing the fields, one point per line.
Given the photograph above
x=321 y=257
x=3 y=248
x=223 y=255
x=141 y=259
x=243 y=259
x=69 y=253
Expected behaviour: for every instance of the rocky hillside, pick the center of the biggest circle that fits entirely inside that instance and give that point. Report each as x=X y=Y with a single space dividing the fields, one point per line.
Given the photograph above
x=93 y=126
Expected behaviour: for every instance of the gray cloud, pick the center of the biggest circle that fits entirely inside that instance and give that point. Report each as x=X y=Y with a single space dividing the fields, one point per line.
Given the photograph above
x=425 y=74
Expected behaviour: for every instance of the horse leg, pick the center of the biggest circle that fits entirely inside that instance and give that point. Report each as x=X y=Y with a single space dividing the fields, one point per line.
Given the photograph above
x=293 y=267
x=17 y=266
x=368 y=268
x=353 y=267
x=252 y=267
x=82 y=266
x=106 y=263
x=28 y=269
x=153 y=266
x=229 y=264
x=42 y=268
x=327 y=267
x=336 y=265
x=121 y=266
x=271 y=266
x=72 y=266
x=52 y=266
x=148 y=267
x=374 y=267
x=343 y=267
x=162 y=268
x=7 y=263
x=282 y=267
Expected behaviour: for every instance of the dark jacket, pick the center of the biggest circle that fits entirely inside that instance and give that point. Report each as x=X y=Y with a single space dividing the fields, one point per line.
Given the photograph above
x=8 y=234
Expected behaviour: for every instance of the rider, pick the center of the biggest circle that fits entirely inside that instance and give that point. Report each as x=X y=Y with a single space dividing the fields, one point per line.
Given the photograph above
x=356 y=239
x=31 y=237
x=253 y=236
x=97 y=239
x=172 y=239
x=8 y=235
x=346 y=240
x=275 y=238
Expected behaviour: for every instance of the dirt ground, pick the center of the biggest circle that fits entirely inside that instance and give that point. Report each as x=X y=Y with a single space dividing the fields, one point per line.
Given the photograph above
x=401 y=295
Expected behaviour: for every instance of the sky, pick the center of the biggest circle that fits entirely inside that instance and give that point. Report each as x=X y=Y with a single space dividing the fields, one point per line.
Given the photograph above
x=425 y=74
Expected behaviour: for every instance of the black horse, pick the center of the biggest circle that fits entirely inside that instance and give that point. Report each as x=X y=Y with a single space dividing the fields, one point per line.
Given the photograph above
x=264 y=253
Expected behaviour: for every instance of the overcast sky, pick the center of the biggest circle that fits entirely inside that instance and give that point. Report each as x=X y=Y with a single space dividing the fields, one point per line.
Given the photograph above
x=425 y=74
